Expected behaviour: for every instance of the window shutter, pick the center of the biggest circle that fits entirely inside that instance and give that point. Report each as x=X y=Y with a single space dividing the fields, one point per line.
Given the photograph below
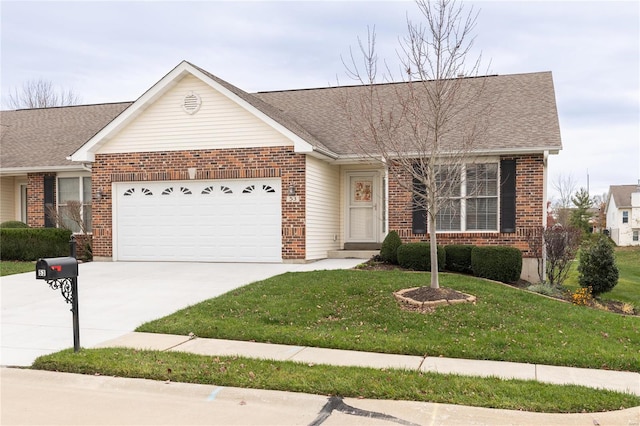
x=419 y=213
x=508 y=196
x=49 y=199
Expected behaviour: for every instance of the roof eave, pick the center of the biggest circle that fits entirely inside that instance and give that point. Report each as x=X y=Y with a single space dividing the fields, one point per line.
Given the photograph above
x=501 y=151
x=15 y=171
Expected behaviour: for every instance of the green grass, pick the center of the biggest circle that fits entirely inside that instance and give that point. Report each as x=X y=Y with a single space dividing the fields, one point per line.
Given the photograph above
x=628 y=287
x=341 y=381
x=10 y=268
x=351 y=309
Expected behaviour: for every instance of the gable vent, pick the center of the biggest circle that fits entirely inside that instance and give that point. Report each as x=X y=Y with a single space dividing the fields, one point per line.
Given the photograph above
x=191 y=103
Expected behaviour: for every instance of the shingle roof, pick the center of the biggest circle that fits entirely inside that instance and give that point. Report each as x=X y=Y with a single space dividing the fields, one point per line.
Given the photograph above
x=621 y=194
x=523 y=117
x=45 y=137
x=270 y=110
x=523 y=112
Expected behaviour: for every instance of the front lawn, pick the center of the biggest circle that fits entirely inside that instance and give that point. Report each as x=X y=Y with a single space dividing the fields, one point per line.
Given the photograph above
x=356 y=310
x=8 y=267
x=342 y=381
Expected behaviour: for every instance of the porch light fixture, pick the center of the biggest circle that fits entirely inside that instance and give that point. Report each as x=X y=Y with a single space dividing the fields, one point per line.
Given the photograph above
x=99 y=194
x=292 y=191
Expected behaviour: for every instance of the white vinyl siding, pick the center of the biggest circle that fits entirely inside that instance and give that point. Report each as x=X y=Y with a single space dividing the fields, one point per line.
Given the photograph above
x=7 y=199
x=322 y=208
x=219 y=123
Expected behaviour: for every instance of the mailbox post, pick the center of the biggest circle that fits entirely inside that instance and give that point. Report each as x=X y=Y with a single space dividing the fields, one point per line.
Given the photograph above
x=62 y=273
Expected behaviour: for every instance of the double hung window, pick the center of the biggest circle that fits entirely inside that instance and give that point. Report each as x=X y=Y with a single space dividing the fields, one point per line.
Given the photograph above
x=468 y=197
x=74 y=202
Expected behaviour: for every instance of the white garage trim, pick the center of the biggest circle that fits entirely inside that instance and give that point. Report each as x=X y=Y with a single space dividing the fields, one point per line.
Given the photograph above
x=236 y=220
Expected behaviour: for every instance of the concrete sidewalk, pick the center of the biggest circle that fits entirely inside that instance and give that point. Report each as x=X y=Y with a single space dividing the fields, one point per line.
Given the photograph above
x=599 y=379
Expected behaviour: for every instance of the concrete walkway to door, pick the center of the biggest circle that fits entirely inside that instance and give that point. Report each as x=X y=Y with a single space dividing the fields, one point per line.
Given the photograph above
x=115 y=298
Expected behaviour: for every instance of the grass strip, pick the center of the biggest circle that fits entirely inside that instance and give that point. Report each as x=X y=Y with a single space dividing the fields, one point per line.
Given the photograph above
x=8 y=267
x=356 y=310
x=341 y=381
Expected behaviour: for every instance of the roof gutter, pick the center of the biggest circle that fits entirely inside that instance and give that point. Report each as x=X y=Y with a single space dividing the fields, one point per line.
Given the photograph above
x=11 y=171
x=518 y=151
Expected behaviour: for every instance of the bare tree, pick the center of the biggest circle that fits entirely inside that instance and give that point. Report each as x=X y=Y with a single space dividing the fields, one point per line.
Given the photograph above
x=72 y=216
x=561 y=245
x=565 y=186
x=424 y=129
x=40 y=94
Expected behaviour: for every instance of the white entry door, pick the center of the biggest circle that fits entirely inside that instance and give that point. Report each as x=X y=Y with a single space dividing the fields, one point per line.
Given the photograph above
x=208 y=221
x=362 y=224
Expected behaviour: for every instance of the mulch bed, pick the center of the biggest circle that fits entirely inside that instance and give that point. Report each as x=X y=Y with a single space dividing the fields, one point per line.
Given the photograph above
x=428 y=294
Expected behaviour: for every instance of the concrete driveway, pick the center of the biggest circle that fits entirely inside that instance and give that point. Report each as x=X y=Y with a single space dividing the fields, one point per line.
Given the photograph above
x=115 y=298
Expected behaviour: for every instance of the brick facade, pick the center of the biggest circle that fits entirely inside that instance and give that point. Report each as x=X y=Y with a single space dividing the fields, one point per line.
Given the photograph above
x=529 y=211
x=241 y=163
x=36 y=211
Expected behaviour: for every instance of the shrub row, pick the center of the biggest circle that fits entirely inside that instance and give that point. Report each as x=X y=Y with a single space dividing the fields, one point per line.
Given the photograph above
x=27 y=244
x=497 y=263
x=417 y=256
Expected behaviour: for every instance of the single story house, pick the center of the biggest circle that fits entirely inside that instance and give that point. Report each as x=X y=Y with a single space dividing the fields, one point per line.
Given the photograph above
x=196 y=169
x=623 y=214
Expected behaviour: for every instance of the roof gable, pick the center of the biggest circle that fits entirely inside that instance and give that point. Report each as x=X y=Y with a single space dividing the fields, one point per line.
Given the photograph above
x=256 y=107
x=621 y=194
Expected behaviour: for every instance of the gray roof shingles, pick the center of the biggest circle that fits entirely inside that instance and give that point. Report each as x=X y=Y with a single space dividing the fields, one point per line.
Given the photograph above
x=523 y=116
x=45 y=137
x=523 y=112
x=621 y=194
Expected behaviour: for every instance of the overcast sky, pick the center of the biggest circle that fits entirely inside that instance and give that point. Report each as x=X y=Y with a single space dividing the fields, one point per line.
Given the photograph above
x=114 y=51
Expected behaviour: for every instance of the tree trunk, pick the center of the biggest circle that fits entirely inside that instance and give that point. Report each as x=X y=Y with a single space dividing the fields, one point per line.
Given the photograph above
x=435 y=283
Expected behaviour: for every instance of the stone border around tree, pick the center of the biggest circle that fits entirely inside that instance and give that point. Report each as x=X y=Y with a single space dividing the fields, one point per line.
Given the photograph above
x=428 y=306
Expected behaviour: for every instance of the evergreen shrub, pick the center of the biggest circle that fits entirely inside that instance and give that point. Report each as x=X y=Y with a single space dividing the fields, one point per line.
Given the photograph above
x=498 y=263
x=389 y=248
x=417 y=256
x=597 y=266
x=27 y=244
x=459 y=258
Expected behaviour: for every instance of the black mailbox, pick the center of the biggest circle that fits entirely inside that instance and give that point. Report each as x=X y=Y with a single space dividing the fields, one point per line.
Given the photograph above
x=56 y=267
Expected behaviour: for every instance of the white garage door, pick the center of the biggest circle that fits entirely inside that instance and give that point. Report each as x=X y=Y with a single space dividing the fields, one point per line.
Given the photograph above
x=211 y=221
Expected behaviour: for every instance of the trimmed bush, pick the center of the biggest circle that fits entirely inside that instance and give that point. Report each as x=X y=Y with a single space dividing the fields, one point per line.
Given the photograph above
x=597 y=267
x=12 y=224
x=389 y=248
x=497 y=263
x=459 y=258
x=417 y=256
x=33 y=243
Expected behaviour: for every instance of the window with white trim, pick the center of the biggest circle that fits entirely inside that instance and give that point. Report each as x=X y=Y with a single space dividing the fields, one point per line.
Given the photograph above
x=472 y=203
x=625 y=216
x=636 y=235
x=74 y=189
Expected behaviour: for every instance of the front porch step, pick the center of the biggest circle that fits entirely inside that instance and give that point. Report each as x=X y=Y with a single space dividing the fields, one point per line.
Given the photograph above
x=352 y=254
x=362 y=246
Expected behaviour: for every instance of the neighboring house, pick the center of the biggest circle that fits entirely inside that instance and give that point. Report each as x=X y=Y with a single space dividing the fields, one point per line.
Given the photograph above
x=623 y=214
x=198 y=170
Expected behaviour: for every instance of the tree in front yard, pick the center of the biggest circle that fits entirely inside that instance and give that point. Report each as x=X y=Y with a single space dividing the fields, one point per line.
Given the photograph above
x=580 y=215
x=424 y=130
x=597 y=267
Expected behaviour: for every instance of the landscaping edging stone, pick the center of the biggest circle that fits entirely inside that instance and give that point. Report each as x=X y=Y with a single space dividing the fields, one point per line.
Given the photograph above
x=412 y=304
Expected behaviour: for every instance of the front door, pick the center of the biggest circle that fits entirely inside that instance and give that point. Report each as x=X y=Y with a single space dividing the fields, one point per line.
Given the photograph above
x=363 y=224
